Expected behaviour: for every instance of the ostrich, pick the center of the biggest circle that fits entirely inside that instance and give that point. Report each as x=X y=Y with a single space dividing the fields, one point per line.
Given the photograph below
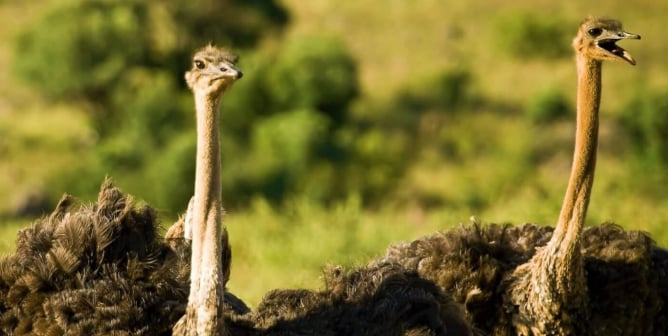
x=550 y=290
x=213 y=71
x=532 y=280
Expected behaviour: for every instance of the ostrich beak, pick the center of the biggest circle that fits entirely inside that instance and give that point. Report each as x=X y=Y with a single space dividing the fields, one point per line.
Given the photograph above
x=609 y=44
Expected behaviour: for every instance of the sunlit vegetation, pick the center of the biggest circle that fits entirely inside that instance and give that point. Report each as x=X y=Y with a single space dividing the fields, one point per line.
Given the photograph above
x=356 y=124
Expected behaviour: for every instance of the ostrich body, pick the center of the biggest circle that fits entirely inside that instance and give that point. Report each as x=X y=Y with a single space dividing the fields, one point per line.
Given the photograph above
x=383 y=299
x=212 y=73
x=626 y=275
x=530 y=280
x=103 y=270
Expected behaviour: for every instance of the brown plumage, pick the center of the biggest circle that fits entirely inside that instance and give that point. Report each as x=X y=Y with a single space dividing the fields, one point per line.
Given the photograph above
x=626 y=274
x=382 y=299
x=103 y=270
x=91 y=270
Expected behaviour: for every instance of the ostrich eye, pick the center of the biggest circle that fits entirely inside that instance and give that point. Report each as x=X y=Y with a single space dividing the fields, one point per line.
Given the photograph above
x=595 y=32
x=199 y=64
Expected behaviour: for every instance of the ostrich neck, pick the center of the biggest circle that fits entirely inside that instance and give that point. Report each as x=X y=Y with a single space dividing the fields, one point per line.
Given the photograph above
x=206 y=274
x=566 y=238
x=207 y=168
x=563 y=250
x=550 y=291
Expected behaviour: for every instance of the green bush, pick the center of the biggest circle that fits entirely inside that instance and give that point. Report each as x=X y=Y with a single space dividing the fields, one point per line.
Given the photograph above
x=376 y=159
x=149 y=104
x=272 y=146
x=169 y=177
x=548 y=106
x=82 y=48
x=313 y=72
x=148 y=111
x=287 y=141
x=124 y=60
x=526 y=34
x=279 y=124
x=81 y=179
x=449 y=91
x=645 y=119
x=231 y=22
x=284 y=147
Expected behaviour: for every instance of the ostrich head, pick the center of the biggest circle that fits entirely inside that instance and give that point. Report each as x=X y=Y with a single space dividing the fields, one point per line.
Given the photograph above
x=597 y=39
x=214 y=69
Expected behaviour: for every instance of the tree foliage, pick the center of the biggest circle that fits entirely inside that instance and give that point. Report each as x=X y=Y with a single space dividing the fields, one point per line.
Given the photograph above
x=286 y=126
x=83 y=50
x=86 y=56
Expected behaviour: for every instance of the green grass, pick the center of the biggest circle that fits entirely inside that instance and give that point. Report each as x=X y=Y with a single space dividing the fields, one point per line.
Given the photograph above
x=8 y=231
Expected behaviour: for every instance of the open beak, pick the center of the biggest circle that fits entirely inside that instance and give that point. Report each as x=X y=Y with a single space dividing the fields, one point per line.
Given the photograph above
x=609 y=44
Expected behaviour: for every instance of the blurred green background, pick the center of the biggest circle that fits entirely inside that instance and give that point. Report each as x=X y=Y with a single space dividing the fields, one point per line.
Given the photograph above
x=357 y=124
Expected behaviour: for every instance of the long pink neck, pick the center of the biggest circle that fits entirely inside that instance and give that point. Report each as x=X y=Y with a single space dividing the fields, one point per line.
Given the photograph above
x=566 y=237
x=206 y=274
